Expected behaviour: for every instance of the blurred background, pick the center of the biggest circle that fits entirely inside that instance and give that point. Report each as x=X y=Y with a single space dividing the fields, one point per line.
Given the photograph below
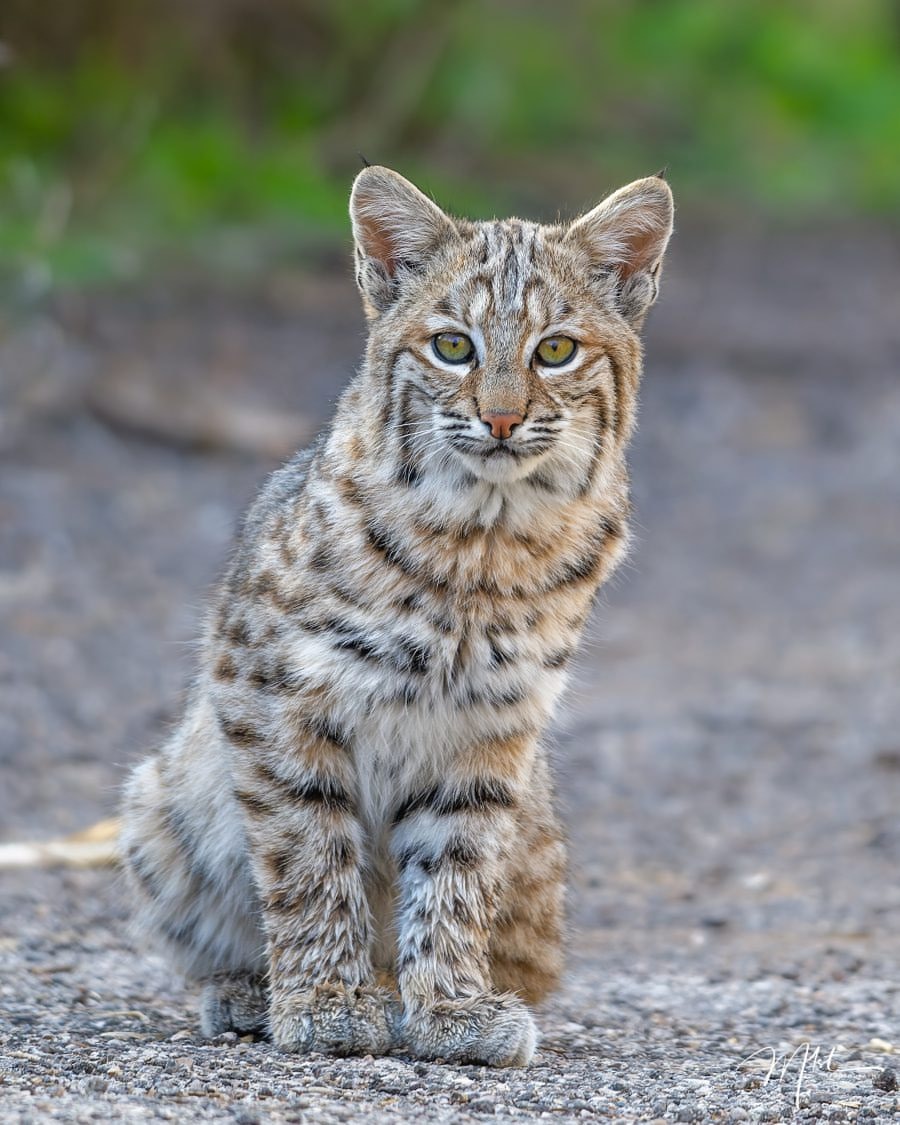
x=226 y=131
x=178 y=314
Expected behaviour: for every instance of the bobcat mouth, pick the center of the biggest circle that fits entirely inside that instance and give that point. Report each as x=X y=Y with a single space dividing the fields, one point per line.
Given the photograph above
x=500 y=449
x=477 y=447
x=501 y=461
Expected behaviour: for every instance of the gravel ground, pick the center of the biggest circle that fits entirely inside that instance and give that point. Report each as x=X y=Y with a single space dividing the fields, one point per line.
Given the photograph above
x=729 y=757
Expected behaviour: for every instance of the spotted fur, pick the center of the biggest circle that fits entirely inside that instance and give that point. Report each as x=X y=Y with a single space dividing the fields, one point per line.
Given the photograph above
x=351 y=837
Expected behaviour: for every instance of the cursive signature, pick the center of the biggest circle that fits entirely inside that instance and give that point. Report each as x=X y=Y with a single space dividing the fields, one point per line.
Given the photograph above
x=806 y=1058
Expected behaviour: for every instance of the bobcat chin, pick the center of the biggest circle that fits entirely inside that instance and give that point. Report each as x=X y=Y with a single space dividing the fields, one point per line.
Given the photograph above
x=350 y=841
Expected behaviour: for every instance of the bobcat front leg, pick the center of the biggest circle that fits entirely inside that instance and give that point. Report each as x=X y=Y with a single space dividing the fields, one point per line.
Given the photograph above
x=307 y=853
x=452 y=846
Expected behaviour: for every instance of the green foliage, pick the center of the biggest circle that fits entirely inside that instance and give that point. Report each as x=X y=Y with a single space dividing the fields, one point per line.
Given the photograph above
x=135 y=129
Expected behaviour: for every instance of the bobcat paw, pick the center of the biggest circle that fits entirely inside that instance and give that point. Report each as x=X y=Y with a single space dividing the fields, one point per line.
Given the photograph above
x=234 y=1002
x=335 y=1020
x=492 y=1029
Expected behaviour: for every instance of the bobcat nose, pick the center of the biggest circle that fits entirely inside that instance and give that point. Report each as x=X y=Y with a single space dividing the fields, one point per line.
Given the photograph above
x=502 y=425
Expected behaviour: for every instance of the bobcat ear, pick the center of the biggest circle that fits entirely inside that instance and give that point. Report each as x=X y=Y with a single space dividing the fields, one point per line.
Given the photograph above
x=395 y=228
x=626 y=235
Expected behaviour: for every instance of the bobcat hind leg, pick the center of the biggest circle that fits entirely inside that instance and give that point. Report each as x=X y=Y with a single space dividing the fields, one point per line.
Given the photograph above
x=234 y=1002
x=527 y=946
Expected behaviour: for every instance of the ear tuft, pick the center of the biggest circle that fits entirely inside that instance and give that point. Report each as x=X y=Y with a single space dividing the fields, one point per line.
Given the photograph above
x=627 y=235
x=395 y=227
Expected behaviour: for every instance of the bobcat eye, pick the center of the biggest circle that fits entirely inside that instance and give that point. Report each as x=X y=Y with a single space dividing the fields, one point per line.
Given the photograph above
x=555 y=350
x=453 y=347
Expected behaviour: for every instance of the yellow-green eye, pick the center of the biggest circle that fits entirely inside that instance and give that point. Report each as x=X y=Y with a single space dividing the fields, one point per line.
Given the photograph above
x=453 y=347
x=555 y=351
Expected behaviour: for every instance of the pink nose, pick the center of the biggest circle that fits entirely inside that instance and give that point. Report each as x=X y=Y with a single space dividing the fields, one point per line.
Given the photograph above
x=502 y=425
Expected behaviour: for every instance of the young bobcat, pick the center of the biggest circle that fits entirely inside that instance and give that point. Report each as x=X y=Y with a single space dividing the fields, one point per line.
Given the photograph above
x=350 y=839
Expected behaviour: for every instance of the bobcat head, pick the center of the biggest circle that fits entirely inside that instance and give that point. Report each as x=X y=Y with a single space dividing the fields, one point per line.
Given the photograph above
x=507 y=348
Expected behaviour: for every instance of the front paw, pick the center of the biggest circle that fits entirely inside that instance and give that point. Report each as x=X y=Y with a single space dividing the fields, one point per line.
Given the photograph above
x=335 y=1020
x=491 y=1029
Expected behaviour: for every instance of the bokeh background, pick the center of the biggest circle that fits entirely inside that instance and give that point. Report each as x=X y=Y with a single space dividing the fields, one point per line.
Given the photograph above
x=227 y=129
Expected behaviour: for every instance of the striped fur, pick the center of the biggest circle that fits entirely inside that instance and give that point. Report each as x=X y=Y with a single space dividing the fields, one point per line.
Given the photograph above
x=351 y=838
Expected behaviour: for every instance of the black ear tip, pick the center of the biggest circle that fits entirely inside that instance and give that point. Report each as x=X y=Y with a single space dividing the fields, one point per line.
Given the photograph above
x=365 y=163
x=663 y=173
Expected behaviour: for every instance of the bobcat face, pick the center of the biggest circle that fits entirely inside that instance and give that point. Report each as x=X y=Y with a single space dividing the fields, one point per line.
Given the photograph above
x=499 y=342
x=510 y=373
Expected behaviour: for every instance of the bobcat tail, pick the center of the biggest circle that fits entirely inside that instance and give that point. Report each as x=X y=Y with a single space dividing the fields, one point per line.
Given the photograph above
x=97 y=846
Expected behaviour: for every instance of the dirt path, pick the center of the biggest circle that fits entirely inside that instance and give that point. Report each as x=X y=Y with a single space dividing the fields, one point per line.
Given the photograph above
x=730 y=755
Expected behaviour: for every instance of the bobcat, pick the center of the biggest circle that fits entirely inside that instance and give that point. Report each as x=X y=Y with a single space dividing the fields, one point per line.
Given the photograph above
x=350 y=841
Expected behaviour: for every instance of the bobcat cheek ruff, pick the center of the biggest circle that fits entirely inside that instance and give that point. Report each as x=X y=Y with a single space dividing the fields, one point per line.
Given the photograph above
x=350 y=840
